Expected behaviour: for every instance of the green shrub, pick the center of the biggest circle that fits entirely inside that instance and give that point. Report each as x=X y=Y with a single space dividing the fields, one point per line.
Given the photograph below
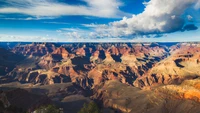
x=48 y=109
x=90 y=108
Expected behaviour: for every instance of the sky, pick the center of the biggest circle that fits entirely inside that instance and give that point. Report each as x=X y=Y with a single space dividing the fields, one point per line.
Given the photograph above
x=99 y=20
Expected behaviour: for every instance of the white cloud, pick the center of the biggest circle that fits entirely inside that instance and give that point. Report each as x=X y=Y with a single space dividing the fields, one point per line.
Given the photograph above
x=173 y=16
x=197 y=5
x=58 y=31
x=23 y=38
x=27 y=18
x=159 y=16
x=73 y=35
x=42 y=8
x=92 y=25
x=57 y=23
x=189 y=17
x=71 y=30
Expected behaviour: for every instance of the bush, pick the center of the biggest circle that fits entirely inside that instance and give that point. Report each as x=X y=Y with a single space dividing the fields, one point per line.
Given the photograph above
x=90 y=108
x=48 y=109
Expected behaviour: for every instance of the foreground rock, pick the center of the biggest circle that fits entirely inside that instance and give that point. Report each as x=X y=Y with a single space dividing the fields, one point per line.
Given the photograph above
x=128 y=99
x=19 y=101
x=67 y=96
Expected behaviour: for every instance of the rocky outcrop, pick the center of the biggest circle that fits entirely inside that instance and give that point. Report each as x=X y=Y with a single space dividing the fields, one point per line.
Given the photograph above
x=128 y=99
x=95 y=56
x=46 y=77
x=114 y=50
x=80 y=52
x=40 y=76
x=115 y=71
x=128 y=59
x=34 y=49
x=181 y=65
x=61 y=51
x=50 y=60
x=108 y=58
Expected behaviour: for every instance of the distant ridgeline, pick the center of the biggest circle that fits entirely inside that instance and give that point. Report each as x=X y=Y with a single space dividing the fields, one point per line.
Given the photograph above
x=9 y=45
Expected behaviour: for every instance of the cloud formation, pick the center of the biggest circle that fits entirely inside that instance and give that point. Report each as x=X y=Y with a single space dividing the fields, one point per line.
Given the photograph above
x=42 y=8
x=159 y=16
x=189 y=27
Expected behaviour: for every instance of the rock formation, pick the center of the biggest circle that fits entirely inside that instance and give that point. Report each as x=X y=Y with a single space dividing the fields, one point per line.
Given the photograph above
x=131 y=77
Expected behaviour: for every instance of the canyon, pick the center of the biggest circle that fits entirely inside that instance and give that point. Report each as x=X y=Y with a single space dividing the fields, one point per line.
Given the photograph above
x=119 y=77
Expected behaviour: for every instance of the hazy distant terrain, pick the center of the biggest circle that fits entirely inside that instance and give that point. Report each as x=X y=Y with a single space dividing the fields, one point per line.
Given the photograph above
x=119 y=77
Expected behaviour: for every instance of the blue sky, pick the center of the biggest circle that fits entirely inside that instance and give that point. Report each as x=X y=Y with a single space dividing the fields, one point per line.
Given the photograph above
x=100 y=20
